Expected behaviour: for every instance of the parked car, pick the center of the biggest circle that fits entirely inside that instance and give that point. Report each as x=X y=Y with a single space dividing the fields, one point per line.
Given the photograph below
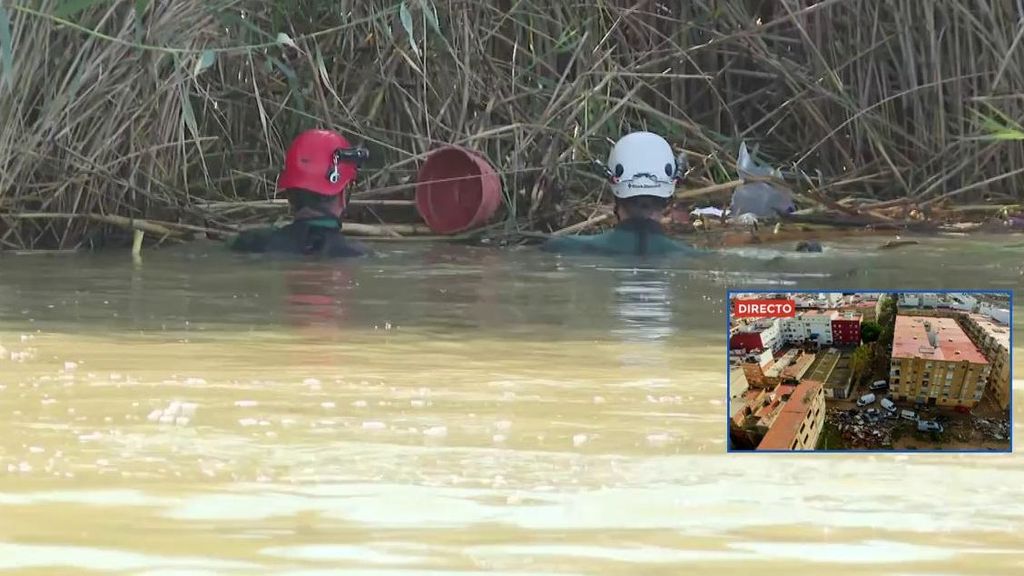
x=888 y=405
x=865 y=400
x=878 y=385
x=929 y=426
x=908 y=415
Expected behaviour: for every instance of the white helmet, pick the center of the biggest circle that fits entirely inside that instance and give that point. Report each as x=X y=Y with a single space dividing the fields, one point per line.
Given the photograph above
x=643 y=164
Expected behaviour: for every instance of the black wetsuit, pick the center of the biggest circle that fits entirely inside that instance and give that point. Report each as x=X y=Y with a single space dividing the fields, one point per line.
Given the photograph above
x=317 y=237
x=639 y=237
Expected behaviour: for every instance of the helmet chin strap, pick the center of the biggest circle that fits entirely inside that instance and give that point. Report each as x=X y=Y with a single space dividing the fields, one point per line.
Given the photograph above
x=356 y=155
x=682 y=166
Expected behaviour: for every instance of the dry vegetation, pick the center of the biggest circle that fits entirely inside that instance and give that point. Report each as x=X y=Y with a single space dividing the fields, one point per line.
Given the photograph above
x=149 y=109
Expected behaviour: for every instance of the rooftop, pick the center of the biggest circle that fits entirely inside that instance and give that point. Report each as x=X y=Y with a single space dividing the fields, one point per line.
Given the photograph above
x=798 y=367
x=952 y=344
x=997 y=330
x=812 y=313
x=757 y=326
x=777 y=368
x=791 y=416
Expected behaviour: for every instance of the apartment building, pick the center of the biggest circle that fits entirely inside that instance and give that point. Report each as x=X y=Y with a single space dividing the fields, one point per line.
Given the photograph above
x=809 y=325
x=919 y=300
x=846 y=328
x=761 y=335
x=799 y=418
x=995 y=312
x=994 y=340
x=934 y=362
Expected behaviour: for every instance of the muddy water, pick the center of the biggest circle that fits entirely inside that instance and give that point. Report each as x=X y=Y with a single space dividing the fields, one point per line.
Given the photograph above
x=445 y=410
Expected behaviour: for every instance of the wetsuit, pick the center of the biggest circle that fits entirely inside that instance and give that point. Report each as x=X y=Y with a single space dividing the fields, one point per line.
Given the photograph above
x=313 y=237
x=639 y=237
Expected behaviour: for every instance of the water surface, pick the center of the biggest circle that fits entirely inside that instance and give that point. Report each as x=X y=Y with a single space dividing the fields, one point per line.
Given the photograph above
x=446 y=410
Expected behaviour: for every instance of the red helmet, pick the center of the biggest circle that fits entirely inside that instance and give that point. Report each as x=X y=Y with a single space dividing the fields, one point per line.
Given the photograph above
x=320 y=161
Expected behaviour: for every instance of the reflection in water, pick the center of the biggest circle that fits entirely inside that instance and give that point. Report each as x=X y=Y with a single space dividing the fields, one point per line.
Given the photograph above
x=448 y=411
x=643 y=305
x=316 y=296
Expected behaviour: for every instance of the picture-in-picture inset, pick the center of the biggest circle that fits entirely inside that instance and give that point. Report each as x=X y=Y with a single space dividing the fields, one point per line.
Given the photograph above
x=870 y=371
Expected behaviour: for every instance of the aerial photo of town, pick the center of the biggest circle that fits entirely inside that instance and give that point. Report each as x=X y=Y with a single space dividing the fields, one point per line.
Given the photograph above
x=871 y=371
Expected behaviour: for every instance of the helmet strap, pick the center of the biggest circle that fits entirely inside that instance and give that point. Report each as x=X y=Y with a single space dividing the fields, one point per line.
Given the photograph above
x=681 y=167
x=333 y=175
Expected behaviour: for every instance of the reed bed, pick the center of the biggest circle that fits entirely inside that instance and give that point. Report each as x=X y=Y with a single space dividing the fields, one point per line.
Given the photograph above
x=158 y=109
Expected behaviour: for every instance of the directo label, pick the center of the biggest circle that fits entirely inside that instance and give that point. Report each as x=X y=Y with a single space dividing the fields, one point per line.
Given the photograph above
x=764 y=308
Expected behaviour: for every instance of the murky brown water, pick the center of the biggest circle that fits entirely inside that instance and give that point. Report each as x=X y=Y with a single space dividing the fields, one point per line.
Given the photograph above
x=449 y=411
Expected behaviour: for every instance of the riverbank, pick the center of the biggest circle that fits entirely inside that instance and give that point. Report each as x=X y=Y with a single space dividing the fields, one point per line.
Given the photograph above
x=154 y=111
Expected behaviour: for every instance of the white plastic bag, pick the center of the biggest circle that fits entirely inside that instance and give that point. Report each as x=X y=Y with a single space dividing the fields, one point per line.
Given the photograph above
x=761 y=199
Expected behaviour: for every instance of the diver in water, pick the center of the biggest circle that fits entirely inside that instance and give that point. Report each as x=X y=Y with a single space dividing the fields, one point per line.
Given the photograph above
x=643 y=172
x=318 y=166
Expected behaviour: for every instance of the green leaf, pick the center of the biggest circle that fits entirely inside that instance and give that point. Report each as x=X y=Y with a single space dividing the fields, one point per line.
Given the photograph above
x=6 y=47
x=72 y=7
x=206 y=60
x=186 y=105
x=321 y=67
x=285 y=39
x=406 y=17
x=430 y=12
x=188 y=114
x=141 y=6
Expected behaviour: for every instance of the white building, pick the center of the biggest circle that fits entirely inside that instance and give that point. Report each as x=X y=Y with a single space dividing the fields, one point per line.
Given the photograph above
x=997 y=314
x=771 y=336
x=919 y=300
x=833 y=299
x=909 y=300
x=812 y=325
x=961 y=302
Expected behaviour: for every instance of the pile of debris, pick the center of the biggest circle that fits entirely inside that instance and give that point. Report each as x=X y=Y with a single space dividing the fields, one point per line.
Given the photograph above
x=867 y=430
x=992 y=428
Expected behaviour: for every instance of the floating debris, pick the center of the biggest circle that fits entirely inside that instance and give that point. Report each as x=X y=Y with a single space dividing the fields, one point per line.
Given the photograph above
x=177 y=413
x=897 y=243
x=762 y=194
x=436 y=432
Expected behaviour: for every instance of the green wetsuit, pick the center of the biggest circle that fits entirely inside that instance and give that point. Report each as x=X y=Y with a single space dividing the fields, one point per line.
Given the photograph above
x=635 y=237
x=315 y=237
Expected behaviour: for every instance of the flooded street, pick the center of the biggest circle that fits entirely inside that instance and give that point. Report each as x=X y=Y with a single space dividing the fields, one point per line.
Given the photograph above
x=444 y=410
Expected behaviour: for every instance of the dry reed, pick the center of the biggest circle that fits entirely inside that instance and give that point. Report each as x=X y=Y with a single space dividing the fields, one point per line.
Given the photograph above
x=155 y=109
